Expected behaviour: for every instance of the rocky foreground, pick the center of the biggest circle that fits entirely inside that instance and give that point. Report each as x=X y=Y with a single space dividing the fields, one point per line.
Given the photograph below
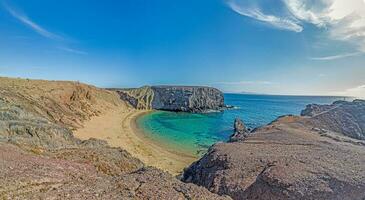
x=291 y=158
x=294 y=157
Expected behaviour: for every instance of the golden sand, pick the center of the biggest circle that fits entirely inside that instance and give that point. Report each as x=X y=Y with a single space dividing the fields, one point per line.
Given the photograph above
x=119 y=129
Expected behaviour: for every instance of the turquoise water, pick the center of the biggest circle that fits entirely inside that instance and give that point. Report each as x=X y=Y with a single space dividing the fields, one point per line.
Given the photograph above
x=194 y=133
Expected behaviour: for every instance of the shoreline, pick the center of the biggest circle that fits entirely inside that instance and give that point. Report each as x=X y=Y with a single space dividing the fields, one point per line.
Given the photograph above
x=168 y=146
x=120 y=129
x=143 y=134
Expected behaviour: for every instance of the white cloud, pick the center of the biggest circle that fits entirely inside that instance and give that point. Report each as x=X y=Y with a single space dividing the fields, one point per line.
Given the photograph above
x=28 y=22
x=308 y=11
x=339 y=56
x=342 y=20
x=256 y=13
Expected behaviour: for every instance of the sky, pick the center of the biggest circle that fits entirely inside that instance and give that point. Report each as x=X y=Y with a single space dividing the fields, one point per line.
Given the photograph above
x=296 y=47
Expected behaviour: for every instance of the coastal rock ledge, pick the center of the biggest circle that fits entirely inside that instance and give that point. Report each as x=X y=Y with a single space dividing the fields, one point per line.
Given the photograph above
x=291 y=158
x=194 y=99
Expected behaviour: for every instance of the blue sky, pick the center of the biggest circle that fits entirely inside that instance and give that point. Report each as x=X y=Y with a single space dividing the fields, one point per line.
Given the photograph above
x=266 y=46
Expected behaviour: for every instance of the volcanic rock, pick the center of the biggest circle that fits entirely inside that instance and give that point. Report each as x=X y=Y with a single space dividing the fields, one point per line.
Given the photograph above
x=287 y=159
x=240 y=131
x=347 y=118
x=175 y=98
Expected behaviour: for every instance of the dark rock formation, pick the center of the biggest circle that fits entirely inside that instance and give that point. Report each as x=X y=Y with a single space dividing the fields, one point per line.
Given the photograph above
x=240 y=131
x=187 y=99
x=286 y=159
x=343 y=117
x=175 y=98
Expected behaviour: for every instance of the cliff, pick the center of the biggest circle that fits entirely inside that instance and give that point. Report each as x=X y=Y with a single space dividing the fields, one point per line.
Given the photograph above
x=289 y=159
x=174 y=98
x=139 y=98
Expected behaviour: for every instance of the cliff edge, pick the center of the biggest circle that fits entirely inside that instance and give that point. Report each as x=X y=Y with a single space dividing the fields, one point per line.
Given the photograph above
x=174 y=98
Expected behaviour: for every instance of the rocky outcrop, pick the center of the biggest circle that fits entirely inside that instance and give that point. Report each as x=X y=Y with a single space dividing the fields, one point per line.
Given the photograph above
x=240 y=131
x=19 y=126
x=175 y=98
x=347 y=118
x=187 y=99
x=41 y=159
x=286 y=159
x=139 y=98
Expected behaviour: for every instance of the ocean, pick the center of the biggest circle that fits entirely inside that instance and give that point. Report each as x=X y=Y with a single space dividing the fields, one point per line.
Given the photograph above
x=194 y=133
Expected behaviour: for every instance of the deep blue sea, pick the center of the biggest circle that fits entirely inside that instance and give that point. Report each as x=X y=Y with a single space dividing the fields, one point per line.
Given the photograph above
x=194 y=133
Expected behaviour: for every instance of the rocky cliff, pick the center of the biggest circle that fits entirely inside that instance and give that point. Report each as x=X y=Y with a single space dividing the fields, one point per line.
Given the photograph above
x=174 y=98
x=289 y=159
x=41 y=159
x=347 y=118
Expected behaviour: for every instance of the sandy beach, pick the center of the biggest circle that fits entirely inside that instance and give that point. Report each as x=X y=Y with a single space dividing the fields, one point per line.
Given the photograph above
x=118 y=127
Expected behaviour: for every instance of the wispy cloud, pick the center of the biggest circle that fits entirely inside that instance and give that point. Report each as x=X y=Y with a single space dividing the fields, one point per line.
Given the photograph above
x=339 y=56
x=24 y=19
x=246 y=83
x=256 y=13
x=71 y=50
x=342 y=20
x=30 y=23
